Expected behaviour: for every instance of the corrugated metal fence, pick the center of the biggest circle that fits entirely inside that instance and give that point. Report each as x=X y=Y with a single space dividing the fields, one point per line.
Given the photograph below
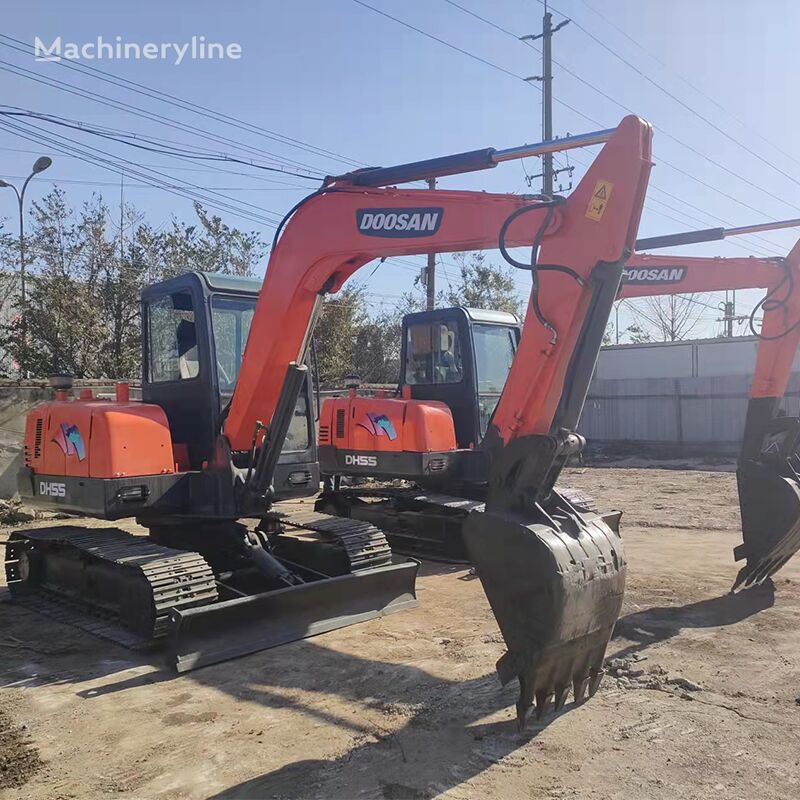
x=687 y=397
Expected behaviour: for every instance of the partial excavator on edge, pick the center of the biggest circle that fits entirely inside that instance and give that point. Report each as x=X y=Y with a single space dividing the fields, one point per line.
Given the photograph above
x=189 y=466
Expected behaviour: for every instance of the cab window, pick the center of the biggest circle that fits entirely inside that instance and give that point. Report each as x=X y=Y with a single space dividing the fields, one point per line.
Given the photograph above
x=231 y=318
x=433 y=354
x=495 y=346
x=172 y=338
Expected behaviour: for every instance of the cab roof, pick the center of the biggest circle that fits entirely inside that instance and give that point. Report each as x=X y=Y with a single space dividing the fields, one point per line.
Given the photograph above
x=220 y=282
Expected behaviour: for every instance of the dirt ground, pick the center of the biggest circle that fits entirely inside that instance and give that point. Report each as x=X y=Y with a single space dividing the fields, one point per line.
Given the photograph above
x=704 y=702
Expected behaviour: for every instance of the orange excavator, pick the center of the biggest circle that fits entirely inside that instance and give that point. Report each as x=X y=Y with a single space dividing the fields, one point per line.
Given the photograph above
x=220 y=436
x=456 y=360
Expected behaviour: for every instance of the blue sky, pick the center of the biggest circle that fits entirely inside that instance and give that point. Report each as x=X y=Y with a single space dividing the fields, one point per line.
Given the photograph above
x=338 y=76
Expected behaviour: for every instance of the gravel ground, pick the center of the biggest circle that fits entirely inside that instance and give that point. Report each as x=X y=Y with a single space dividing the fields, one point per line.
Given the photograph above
x=701 y=700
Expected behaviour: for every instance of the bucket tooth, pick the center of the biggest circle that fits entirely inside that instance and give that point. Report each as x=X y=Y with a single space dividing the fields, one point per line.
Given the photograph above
x=579 y=686
x=595 y=678
x=561 y=697
x=544 y=700
x=524 y=703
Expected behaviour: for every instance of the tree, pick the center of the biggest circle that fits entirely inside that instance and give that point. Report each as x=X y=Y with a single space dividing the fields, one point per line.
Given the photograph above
x=212 y=246
x=64 y=324
x=9 y=287
x=478 y=285
x=85 y=282
x=482 y=285
x=667 y=319
x=350 y=340
x=637 y=334
x=342 y=317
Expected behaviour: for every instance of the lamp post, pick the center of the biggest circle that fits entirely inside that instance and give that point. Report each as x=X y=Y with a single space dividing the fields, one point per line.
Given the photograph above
x=40 y=165
x=616 y=320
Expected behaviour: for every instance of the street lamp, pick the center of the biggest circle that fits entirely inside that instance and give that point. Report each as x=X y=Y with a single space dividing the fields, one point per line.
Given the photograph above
x=616 y=320
x=40 y=165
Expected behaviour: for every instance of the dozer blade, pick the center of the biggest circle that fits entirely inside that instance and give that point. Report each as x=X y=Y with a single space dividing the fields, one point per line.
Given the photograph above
x=770 y=506
x=555 y=585
x=221 y=631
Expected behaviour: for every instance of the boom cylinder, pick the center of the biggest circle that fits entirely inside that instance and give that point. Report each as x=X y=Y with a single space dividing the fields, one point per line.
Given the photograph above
x=471 y=161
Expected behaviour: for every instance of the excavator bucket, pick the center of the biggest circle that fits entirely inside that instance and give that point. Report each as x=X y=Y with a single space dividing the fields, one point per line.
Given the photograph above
x=770 y=506
x=769 y=498
x=555 y=585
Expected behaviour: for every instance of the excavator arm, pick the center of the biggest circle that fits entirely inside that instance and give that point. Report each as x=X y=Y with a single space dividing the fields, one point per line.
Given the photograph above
x=553 y=573
x=767 y=472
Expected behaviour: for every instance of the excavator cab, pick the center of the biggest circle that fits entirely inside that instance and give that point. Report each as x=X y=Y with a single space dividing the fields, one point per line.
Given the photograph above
x=195 y=328
x=454 y=365
x=460 y=357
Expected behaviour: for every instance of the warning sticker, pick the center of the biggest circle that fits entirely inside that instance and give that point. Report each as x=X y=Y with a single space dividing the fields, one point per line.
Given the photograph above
x=599 y=200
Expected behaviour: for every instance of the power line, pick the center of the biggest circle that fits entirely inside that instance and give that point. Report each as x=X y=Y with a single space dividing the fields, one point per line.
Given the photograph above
x=749 y=248
x=677 y=99
x=452 y=46
x=629 y=110
x=84 y=128
x=160 y=180
x=115 y=184
x=259 y=178
x=709 y=98
x=138 y=111
x=688 y=83
x=197 y=108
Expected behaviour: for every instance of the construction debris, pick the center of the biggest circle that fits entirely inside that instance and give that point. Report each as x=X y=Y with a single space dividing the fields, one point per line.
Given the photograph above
x=631 y=676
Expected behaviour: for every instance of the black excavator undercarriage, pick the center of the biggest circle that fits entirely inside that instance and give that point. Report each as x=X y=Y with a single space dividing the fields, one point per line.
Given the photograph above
x=205 y=593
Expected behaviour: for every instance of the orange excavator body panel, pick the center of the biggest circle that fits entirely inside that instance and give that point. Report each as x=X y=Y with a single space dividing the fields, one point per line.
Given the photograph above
x=381 y=424
x=98 y=439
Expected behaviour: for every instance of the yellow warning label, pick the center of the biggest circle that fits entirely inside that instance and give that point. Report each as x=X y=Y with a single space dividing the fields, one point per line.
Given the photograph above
x=599 y=200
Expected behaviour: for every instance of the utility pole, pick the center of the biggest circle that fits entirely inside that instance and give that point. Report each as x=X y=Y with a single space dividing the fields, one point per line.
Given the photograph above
x=729 y=316
x=547 y=99
x=430 y=270
x=121 y=219
x=546 y=78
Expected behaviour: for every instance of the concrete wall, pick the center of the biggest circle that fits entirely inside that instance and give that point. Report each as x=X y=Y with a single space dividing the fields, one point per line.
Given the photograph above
x=703 y=358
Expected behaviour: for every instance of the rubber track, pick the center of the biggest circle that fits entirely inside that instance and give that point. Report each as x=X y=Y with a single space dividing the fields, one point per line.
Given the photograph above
x=366 y=546
x=178 y=579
